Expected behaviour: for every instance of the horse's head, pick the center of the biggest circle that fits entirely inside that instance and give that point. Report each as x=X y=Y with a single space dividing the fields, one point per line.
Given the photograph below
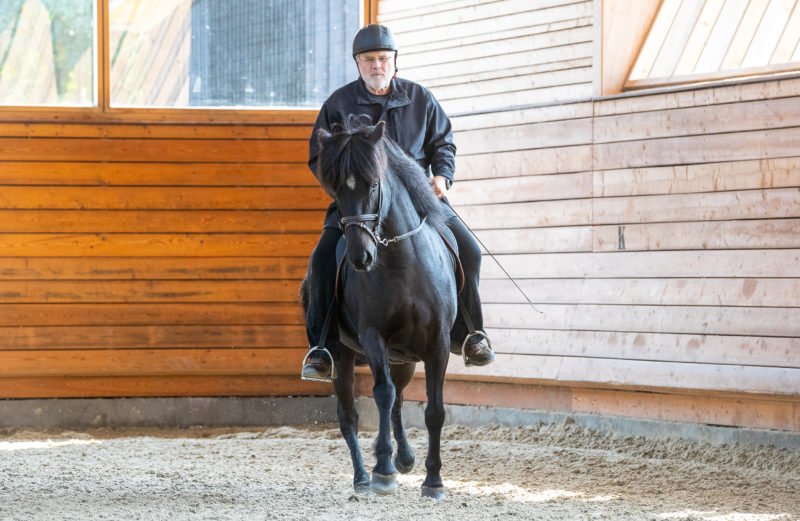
x=351 y=165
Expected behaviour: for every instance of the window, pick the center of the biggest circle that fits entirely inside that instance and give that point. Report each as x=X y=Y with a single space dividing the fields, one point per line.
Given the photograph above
x=236 y=53
x=176 y=53
x=691 y=41
x=48 y=52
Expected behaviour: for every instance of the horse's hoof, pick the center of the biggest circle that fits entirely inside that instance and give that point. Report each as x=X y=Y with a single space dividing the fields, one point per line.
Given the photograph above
x=404 y=467
x=382 y=484
x=362 y=487
x=436 y=493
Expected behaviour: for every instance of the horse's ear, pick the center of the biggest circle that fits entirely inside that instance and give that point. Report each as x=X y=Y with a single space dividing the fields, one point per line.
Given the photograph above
x=323 y=136
x=377 y=132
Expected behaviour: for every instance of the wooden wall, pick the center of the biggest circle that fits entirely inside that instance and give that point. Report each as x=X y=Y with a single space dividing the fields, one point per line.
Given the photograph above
x=154 y=259
x=482 y=56
x=657 y=235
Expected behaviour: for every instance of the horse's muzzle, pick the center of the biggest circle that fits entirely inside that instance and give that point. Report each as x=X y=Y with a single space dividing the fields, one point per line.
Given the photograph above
x=363 y=261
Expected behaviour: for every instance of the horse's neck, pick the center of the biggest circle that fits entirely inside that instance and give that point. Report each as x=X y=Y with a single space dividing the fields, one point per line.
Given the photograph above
x=401 y=217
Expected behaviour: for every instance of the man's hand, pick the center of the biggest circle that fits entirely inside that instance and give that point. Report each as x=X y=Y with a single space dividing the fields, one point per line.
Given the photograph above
x=439 y=184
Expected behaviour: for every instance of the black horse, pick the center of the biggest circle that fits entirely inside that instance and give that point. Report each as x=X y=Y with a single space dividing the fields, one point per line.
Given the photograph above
x=398 y=301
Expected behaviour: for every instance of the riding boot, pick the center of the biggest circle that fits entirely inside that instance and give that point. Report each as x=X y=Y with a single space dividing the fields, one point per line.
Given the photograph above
x=467 y=336
x=320 y=286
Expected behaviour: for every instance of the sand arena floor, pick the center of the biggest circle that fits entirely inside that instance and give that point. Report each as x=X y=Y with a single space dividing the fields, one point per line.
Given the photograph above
x=536 y=473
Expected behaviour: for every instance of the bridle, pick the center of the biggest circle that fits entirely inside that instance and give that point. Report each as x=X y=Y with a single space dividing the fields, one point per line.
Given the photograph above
x=360 y=220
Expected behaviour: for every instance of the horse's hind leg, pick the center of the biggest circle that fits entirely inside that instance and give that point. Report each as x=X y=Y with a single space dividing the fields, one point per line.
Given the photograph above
x=348 y=417
x=401 y=376
x=435 y=367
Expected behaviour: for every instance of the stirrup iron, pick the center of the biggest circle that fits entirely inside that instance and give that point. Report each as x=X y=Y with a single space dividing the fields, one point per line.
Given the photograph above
x=477 y=332
x=328 y=379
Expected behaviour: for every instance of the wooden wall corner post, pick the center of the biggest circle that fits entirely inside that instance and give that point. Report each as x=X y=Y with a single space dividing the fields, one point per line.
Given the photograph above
x=103 y=70
x=621 y=27
x=370 y=11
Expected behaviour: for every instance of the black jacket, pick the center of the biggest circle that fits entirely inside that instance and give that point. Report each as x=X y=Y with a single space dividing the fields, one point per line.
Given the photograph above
x=414 y=120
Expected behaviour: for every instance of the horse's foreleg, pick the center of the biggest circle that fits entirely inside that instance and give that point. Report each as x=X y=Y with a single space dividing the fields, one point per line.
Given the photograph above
x=401 y=376
x=384 y=473
x=435 y=367
x=348 y=417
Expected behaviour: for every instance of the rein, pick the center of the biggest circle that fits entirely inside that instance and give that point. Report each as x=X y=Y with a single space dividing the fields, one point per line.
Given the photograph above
x=359 y=220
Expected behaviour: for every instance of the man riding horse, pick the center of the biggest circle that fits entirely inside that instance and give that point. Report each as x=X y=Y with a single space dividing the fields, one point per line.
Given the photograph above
x=419 y=125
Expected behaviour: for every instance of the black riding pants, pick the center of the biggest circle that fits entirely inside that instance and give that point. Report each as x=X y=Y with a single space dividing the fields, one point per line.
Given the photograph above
x=322 y=280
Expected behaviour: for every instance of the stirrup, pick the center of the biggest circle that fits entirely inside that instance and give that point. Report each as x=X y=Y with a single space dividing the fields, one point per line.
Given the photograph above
x=477 y=332
x=327 y=379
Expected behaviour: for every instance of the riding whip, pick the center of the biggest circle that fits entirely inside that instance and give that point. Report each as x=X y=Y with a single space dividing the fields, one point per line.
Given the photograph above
x=444 y=198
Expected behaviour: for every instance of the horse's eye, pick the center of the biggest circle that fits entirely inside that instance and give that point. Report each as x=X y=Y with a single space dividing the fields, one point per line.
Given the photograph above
x=374 y=186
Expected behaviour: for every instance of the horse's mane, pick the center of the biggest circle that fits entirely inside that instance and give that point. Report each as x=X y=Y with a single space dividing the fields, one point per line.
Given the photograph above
x=347 y=150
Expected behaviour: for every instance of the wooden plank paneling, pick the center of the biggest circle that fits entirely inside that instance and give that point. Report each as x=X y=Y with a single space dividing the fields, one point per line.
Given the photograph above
x=699 y=97
x=522 y=189
x=690 y=285
x=768 y=233
x=495 y=47
x=532 y=57
x=138 y=130
x=151 y=336
x=713 y=206
x=521 y=218
x=733 y=409
x=668 y=264
x=704 y=148
x=163 y=198
x=532 y=21
x=505 y=118
x=127 y=268
x=533 y=84
x=173 y=385
x=519 y=98
x=156 y=245
x=150 y=362
x=148 y=259
x=665 y=290
x=138 y=255
x=708 y=177
x=136 y=313
x=241 y=290
x=438 y=15
x=523 y=137
x=637 y=374
x=525 y=162
x=152 y=150
x=707 y=320
x=79 y=173
x=652 y=346
x=543 y=240
x=160 y=221
x=709 y=119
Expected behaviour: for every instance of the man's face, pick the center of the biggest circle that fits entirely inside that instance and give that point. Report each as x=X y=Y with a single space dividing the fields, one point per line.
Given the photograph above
x=376 y=68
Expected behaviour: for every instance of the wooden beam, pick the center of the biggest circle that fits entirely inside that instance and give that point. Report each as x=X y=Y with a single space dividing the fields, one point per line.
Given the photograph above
x=621 y=29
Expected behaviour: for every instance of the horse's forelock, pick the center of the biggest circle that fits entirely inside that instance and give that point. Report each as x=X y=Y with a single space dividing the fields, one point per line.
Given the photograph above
x=348 y=150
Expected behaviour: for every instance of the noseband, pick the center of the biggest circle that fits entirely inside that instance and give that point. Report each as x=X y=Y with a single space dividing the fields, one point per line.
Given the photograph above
x=359 y=220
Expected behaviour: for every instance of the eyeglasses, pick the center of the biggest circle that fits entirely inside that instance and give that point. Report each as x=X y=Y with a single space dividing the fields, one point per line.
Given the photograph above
x=383 y=60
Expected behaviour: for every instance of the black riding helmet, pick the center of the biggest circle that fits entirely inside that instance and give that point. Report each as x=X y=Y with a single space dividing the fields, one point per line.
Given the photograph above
x=375 y=37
